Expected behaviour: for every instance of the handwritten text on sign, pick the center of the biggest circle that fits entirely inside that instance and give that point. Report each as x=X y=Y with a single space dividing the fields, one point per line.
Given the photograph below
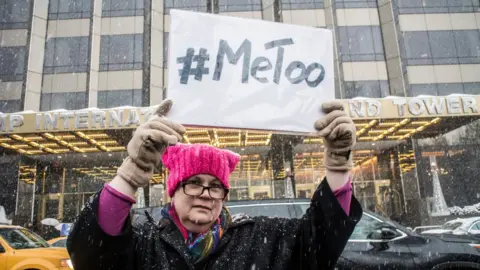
x=243 y=73
x=259 y=64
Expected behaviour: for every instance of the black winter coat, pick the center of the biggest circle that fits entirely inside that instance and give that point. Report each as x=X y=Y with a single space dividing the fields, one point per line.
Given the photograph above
x=313 y=242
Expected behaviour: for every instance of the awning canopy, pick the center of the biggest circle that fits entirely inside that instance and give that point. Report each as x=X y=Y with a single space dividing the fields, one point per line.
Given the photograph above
x=108 y=130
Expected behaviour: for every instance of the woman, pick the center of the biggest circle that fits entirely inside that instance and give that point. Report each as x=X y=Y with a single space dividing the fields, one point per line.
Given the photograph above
x=196 y=231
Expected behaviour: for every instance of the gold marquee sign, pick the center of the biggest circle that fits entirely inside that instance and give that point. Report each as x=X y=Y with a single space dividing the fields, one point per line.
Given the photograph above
x=87 y=119
x=125 y=118
x=418 y=107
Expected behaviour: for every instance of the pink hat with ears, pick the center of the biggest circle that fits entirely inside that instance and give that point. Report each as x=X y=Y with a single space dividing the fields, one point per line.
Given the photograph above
x=186 y=160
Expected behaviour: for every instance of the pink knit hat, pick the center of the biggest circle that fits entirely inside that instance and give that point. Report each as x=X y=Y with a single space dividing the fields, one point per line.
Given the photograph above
x=186 y=160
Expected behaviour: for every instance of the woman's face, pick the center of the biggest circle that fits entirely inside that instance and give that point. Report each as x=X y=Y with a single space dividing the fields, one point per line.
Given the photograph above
x=197 y=210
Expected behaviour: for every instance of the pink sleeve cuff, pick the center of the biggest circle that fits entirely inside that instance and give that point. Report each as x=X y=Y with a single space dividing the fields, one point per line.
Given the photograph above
x=119 y=195
x=344 y=196
x=113 y=210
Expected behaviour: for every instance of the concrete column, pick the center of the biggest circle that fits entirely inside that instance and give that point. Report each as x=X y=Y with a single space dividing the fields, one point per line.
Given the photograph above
x=331 y=22
x=96 y=24
x=61 y=200
x=391 y=39
x=157 y=82
x=38 y=34
x=268 y=10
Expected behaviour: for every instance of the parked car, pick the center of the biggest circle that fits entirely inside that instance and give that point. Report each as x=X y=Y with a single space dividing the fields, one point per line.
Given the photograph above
x=379 y=243
x=460 y=226
x=21 y=249
x=376 y=243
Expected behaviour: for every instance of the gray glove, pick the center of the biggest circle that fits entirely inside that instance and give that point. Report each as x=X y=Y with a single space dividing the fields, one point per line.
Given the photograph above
x=339 y=133
x=147 y=146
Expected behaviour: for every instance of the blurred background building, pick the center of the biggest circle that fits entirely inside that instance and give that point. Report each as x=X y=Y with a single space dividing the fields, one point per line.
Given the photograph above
x=76 y=54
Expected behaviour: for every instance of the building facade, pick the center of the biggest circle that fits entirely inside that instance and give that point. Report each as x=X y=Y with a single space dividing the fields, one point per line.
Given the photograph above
x=77 y=54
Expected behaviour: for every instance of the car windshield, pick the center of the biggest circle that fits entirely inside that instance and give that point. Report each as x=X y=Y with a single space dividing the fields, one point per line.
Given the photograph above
x=22 y=239
x=60 y=243
x=389 y=221
x=452 y=225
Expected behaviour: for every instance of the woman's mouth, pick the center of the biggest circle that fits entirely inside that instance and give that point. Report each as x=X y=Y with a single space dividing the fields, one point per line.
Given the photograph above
x=202 y=207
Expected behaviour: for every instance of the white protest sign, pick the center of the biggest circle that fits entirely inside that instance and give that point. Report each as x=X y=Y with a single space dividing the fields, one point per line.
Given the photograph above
x=245 y=73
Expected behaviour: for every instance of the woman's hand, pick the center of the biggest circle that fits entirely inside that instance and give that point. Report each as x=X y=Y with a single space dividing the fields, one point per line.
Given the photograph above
x=147 y=146
x=339 y=132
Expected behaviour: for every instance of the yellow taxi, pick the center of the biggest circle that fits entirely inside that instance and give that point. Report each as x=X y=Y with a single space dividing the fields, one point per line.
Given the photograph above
x=21 y=249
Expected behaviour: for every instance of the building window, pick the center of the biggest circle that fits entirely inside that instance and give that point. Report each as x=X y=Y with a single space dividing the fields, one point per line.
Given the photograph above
x=355 y=3
x=194 y=5
x=360 y=43
x=417 y=48
x=122 y=8
x=67 y=101
x=444 y=89
x=471 y=88
x=69 y=9
x=118 y=98
x=302 y=4
x=450 y=6
x=467 y=43
x=442 y=47
x=14 y=14
x=121 y=52
x=10 y=106
x=370 y=89
x=69 y=54
x=12 y=63
x=239 y=5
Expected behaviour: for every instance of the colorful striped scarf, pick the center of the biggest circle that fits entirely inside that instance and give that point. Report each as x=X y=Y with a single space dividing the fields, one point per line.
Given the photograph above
x=203 y=244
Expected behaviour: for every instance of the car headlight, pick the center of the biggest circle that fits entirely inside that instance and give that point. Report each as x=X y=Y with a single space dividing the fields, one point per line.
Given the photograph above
x=66 y=263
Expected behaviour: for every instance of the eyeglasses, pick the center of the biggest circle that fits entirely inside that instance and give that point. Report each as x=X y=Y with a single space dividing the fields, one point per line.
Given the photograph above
x=194 y=189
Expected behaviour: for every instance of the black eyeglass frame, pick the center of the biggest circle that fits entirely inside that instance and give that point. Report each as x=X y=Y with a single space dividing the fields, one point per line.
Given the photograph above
x=203 y=190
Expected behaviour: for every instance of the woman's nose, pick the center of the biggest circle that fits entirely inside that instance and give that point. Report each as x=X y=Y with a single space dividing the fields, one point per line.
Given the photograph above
x=205 y=194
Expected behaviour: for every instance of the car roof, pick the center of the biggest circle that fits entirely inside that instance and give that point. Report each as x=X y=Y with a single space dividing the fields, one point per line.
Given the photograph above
x=270 y=202
x=57 y=239
x=464 y=221
x=470 y=219
x=10 y=227
x=267 y=201
x=281 y=202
